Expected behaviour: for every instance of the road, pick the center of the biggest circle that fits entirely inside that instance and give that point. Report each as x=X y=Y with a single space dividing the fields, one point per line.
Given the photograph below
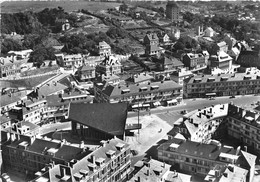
x=171 y=114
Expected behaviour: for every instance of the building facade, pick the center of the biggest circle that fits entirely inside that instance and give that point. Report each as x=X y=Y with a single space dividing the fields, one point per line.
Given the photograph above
x=109 y=66
x=104 y=49
x=221 y=61
x=10 y=65
x=70 y=61
x=199 y=158
x=151 y=42
x=195 y=62
x=222 y=85
x=140 y=95
x=87 y=73
x=173 y=11
x=110 y=162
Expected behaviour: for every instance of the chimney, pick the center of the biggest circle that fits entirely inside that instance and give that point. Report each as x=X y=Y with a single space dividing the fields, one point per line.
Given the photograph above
x=163 y=164
x=238 y=150
x=199 y=115
x=245 y=148
x=138 y=179
x=231 y=168
x=204 y=112
x=81 y=145
x=225 y=174
x=13 y=137
x=93 y=159
x=147 y=173
x=63 y=172
x=32 y=139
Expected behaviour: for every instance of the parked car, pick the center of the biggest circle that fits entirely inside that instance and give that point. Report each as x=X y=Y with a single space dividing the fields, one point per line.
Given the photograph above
x=134 y=152
x=232 y=97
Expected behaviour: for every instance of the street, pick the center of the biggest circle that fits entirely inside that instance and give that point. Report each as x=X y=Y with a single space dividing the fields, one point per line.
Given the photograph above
x=172 y=113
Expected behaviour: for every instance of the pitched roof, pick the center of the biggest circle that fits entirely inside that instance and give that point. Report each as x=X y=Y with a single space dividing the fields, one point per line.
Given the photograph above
x=27 y=83
x=250 y=158
x=115 y=91
x=106 y=117
x=14 y=97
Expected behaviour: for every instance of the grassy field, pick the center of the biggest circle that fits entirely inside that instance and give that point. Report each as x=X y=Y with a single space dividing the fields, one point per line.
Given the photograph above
x=18 y=6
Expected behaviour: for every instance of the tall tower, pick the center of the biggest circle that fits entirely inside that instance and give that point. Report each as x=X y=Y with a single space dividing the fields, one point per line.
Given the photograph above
x=173 y=11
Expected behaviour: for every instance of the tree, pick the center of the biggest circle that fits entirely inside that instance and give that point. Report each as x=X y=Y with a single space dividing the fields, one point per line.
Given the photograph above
x=10 y=45
x=40 y=54
x=123 y=7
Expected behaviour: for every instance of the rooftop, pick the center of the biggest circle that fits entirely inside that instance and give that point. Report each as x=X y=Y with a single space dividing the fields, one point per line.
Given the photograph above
x=224 y=77
x=132 y=89
x=98 y=116
x=201 y=150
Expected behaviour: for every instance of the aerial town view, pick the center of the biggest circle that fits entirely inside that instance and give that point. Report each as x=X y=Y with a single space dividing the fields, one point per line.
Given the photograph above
x=130 y=91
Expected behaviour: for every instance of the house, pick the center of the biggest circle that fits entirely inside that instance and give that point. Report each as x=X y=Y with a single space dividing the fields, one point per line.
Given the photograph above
x=69 y=61
x=234 y=53
x=10 y=65
x=110 y=65
x=219 y=47
x=104 y=49
x=86 y=73
x=96 y=165
x=222 y=61
x=209 y=32
x=6 y=122
x=169 y=63
x=230 y=173
x=151 y=42
x=23 y=54
x=230 y=41
x=180 y=75
x=163 y=37
x=29 y=110
x=195 y=62
x=63 y=24
x=96 y=121
x=173 y=11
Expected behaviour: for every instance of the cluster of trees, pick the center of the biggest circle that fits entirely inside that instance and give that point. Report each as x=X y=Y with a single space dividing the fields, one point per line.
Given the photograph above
x=82 y=43
x=21 y=23
x=186 y=43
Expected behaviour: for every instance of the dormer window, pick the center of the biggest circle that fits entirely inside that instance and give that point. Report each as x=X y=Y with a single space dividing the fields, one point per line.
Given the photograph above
x=78 y=176
x=120 y=146
x=83 y=172
x=100 y=161
x=197 y=80
x=92 y=166
x=224 y=78
x=247 y=77
x=111 y=153
x=142 y=89
x=211 y=79
x=154 y=87
x=124 y=91
x=174 y=146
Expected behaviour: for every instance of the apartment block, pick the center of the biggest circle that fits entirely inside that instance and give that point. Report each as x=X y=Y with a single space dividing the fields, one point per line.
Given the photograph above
x=140 y=95
x=29 y=110
x=154 y=170
x=202 y=124
x=70 y=61
x=173 y=11
x=200 y=158
x=244 y=125
x=110 y=162
x=222 y=85
x=29 y=154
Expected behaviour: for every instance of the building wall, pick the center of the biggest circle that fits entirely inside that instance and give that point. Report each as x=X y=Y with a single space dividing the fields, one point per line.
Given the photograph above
x=227 y=88
x=172 y=13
